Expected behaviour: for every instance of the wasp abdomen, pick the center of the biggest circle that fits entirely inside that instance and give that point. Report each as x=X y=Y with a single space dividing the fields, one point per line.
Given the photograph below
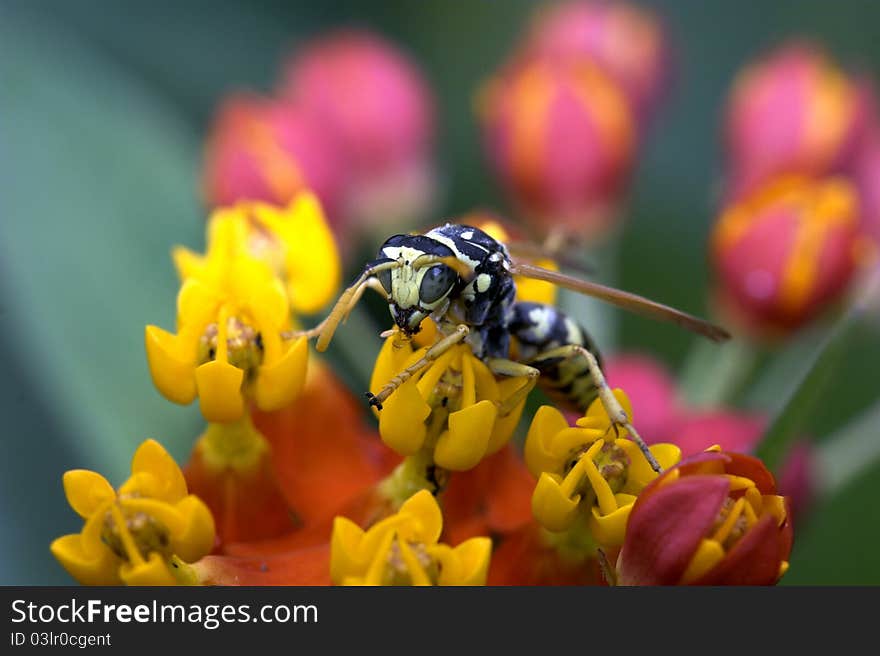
x=542 y=334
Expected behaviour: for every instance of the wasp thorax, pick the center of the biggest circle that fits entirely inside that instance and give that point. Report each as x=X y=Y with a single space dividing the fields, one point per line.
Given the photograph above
x=402 y=557
x=243 y=342
x=146 y=534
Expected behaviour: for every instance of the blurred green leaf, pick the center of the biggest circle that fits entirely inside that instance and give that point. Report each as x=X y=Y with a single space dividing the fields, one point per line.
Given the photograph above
x=99 y=181
x=805 y=393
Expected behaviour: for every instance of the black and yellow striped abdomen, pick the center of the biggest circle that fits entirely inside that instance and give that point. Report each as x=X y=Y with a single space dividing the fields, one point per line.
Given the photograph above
x=541 y=334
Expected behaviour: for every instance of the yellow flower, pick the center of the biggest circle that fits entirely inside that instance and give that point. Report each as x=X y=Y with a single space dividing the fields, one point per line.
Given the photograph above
x=234 y=304
x=403 y=550
x=588 y=468
x=451 y=407
x=142 y=534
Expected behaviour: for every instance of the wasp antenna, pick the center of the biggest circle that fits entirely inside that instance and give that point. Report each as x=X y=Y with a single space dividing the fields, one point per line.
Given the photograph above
x=346 y=302
x=626 y=300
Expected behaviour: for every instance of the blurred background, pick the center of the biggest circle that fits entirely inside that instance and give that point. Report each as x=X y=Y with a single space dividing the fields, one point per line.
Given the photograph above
x=105 y=109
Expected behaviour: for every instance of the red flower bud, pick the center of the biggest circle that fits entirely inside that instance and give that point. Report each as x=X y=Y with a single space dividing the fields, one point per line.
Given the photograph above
x=785 y=252
x=373 y=99
x=794 y=111
x=259 y=149
x=628 y=42
x=561 y=138
x=714 y=519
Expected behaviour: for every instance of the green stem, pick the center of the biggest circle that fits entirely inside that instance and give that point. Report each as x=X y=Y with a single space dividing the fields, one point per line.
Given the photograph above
x=848 y=453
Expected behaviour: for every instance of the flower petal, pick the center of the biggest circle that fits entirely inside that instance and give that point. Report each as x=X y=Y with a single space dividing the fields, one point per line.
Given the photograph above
x=166 y=481
x=547 y=422
x=101 y=568
x=171 y=365
x=609 y=530
x=666 y=526
x=197 y=537
x=551 y=507
x=424 y=507
x=470 y=563
x=219 y=386
x=346 y=554
x=86 y=491
x=464 y=444
x=279 y=383
x=153 y=571
x=402 y=419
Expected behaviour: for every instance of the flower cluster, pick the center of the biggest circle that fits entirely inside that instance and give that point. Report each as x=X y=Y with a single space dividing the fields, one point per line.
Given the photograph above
x=799 y=206
x=366 y=155
x=293 y=482
x=563 y=118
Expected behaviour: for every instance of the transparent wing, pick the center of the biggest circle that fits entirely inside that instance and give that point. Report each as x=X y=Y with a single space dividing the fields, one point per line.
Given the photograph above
x=626 y=300
x=530 y=252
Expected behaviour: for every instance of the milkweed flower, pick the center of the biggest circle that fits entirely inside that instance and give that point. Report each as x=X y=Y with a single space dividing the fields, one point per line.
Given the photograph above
x=373 y=100
x=714 y=519
x=586 y=470
x=794 y=112
x=450 y=408
x=234 y=307
x=404 y=550
x=785 y=252
x=144 y=533
x=866 y=174
x=260 y=149
x=561 y=138
x=626 y=40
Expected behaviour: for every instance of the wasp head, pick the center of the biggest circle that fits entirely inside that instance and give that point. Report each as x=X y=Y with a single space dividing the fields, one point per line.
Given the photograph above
x=415 y=282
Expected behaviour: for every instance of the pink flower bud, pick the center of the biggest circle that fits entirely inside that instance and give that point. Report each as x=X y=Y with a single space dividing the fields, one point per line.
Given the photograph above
x=628 y=42
x=374 y=100
x=560 y=136
x=652 y=392
x=794 y=111
x=785 y=252
x=713 y=519
x=734 y=431
x=260 y=149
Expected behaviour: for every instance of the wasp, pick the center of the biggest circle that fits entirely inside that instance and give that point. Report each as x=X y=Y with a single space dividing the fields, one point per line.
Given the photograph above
x=463 y=280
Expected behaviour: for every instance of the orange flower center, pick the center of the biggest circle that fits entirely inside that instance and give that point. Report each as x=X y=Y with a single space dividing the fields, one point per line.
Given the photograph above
x=134 y=535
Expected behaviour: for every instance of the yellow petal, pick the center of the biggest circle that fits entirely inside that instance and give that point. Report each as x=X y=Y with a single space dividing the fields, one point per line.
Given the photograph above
x=86 y=491
x=547 y=422
x=551 y=507
x=464 y=444
x=504 y=426
x=153 y=571
x=101 y=568
x=536 y=291
x=279 y=383
x=219 y=386
x=707 y=555
x=639 y=472
x=312 y=262
x=468 y=563
x=609 y=530
x=171 y=366
x=189 y=264
x=424 y=508
x=402 y=419
x=196 y=540
x=168 y=483
x=197 y=305
x=268 y=302
x=346 y=557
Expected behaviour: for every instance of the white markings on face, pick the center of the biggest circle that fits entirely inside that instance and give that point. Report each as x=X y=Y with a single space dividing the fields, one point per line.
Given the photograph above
x=483 y=281
x=468 y=235
x=542 y=321
x=405 y=280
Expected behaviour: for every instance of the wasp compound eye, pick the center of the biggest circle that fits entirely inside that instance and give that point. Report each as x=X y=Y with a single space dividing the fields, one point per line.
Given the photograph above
x=385 y=280
x=436 y=283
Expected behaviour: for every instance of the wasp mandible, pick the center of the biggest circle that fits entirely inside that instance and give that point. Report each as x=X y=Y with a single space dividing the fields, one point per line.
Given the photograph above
x=463 y=280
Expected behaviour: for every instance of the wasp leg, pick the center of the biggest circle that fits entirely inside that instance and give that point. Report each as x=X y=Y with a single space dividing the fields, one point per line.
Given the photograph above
x=504 y=367
x=615 y=411
x=438 y=349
